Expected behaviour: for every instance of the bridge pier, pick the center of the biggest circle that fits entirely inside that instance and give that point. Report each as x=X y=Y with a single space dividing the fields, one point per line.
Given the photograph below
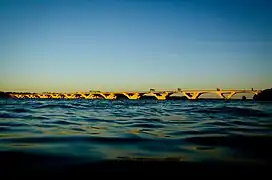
x=43 y=96
x=69 y=96
x=230 y=94
x=220 y=94
x=192 y=95
x=162 y=96
x=87 y=96
x=134 y=96
x=55 y=96
x=110 y=96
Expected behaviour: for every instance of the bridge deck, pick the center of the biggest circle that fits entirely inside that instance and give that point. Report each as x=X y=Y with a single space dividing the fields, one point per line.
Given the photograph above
x=161 y=95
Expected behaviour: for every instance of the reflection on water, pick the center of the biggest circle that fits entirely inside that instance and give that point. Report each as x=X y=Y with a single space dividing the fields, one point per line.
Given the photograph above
x=96 y=130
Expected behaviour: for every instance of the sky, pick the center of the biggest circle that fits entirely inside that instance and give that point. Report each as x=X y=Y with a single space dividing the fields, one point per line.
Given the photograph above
x=130 y=45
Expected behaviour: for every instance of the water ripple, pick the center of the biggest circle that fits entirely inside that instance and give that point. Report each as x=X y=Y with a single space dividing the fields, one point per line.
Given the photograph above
x=190 y=130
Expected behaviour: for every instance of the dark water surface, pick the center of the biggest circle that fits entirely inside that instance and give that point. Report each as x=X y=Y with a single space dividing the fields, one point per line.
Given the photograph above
x=64 y=133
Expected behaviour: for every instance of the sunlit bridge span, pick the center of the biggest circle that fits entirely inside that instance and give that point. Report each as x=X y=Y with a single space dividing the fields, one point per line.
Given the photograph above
x=160 y=95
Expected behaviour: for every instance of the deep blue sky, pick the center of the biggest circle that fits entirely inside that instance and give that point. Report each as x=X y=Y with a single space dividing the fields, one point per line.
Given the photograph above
x=64 y=45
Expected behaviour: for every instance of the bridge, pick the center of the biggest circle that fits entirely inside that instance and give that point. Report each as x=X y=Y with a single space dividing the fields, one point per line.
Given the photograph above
x=160 y=95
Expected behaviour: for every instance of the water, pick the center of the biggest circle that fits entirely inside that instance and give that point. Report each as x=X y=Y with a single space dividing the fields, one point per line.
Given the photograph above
x=60 y=133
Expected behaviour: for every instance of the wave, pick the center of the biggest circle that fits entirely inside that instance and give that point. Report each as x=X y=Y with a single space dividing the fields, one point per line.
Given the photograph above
x=140 y=130
x=73 y=139
x=235 y=111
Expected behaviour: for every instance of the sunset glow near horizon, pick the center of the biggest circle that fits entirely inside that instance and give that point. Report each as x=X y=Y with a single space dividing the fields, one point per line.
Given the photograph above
x=117 y=45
